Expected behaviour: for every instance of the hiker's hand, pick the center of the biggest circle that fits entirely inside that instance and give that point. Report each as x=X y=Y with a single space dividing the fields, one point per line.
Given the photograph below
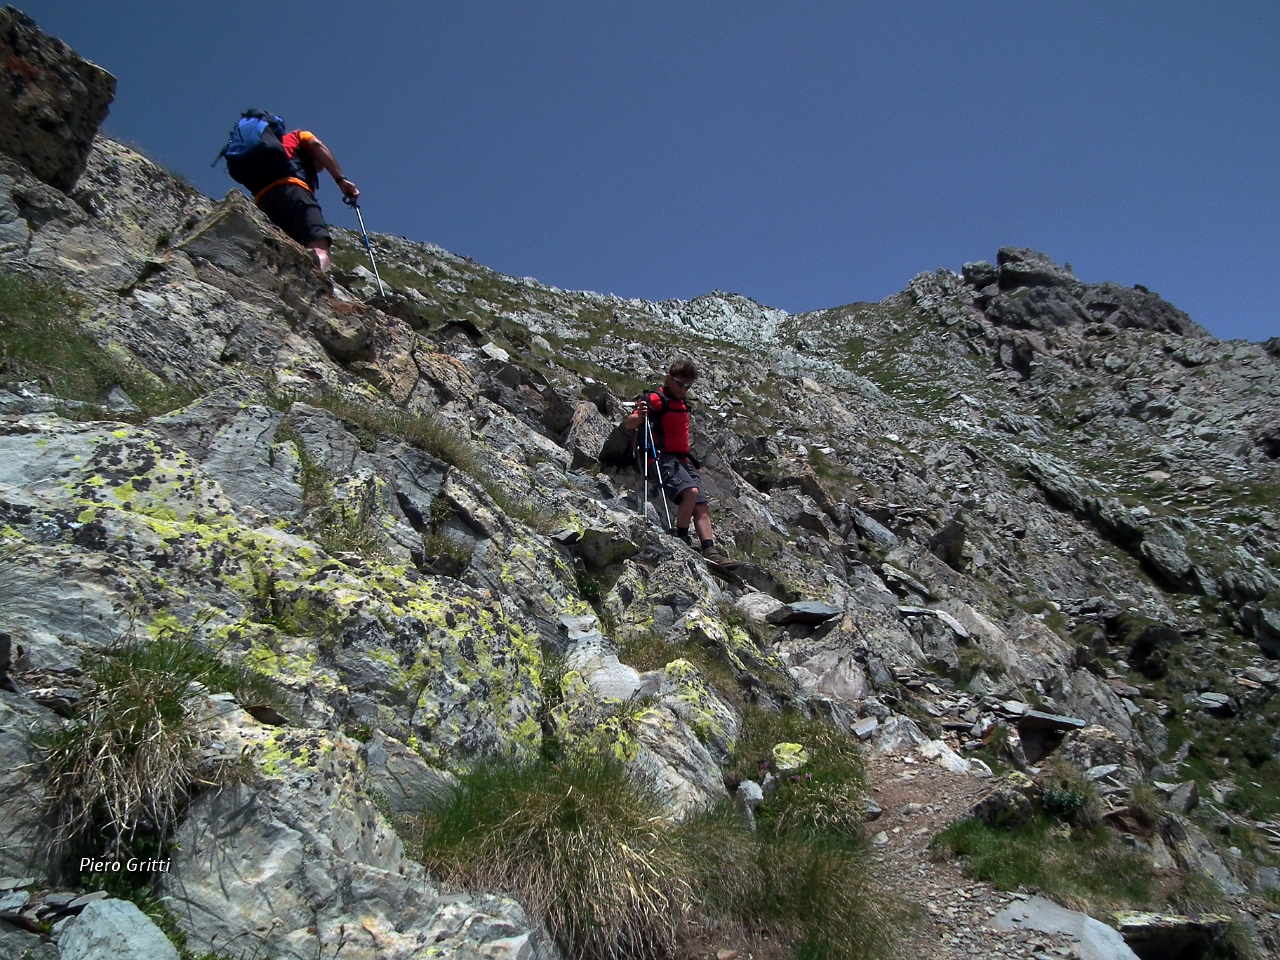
x=348 y=188
x=641 y=407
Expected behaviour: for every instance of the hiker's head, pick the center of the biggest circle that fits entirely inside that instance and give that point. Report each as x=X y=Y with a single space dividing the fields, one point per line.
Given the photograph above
x=682 y=374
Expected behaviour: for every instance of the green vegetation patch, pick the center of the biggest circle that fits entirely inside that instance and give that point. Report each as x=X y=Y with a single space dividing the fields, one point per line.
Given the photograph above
x=41 y=340
x=824 y=796
x=1084 y=869
x=123 y=768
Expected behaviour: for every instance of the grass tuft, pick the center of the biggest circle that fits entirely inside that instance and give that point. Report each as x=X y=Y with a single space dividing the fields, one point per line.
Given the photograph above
x=122 y=769
x=583 y=848
x=591 y=856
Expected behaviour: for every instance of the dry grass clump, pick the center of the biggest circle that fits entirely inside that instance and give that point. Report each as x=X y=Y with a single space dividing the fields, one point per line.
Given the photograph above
x=585 y=850
x=120 y=772
x=591 y=856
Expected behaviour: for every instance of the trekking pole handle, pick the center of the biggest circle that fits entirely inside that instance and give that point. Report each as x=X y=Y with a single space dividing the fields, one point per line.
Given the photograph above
x=351 y=202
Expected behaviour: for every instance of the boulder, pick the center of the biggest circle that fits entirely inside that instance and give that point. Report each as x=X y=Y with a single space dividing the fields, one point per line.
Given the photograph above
x=1022 y=267
x=586 y=435
x=52 y=101
x=1010 y=802
x=1092 y=939
x=1157 y=936
x=114 y=930
x=1165 y=551
x=1264 y=625
x=301 y=864
x=979 y=274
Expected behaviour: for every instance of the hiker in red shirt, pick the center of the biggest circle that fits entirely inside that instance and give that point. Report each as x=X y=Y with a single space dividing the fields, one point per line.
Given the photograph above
x=280 y=172
x=668 y=415
x=290 y=202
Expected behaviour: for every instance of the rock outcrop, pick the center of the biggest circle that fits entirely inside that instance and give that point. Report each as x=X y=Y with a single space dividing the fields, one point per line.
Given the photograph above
x=51 y=101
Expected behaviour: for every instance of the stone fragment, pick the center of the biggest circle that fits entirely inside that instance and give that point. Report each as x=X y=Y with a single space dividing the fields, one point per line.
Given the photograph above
x=789 y=756
x=1219 y=704
x=745 y=800
x=898 y=735
x=865 y=727
x=1165 y=551
x=803 y=611
x=944 y=756
x=52 y=101
x=871 y=530
x=114 y=930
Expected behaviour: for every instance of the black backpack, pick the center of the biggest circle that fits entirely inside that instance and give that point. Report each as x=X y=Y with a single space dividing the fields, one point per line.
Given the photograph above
x=255 y=156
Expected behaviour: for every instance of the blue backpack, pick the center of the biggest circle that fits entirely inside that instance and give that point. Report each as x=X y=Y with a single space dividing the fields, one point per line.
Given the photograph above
x=255 y=156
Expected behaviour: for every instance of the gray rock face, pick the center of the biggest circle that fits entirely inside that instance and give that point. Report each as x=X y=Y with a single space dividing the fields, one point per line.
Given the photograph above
x=114 y=930
x=1096 y=940
x=293 y=870
x=400 y=776
x=51 y=101
x=23 y=836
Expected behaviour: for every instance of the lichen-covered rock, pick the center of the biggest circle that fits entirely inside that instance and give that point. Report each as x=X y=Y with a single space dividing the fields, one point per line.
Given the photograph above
x=429 y=660
x=51 y=101
x=300 y=863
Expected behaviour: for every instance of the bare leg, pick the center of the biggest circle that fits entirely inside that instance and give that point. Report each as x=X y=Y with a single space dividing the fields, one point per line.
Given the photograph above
x=688 y=500
x=702 y=521
x=321 y=249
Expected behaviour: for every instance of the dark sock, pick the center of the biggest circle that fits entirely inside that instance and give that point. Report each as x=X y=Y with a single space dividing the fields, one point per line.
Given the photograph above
x=683 y=534
x=707 y=545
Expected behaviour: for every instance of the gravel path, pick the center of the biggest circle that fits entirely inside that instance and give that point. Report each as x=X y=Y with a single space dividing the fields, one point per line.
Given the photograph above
x=919 y=799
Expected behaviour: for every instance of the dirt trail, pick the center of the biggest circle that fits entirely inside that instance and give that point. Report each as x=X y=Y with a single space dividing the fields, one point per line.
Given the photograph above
x=919 y=798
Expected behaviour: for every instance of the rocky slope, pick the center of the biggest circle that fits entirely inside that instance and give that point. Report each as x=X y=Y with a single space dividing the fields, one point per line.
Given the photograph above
x=1002 y=517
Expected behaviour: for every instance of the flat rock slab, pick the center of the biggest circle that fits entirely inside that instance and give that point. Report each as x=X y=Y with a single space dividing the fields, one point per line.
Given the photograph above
x=1036 y=720
x=1097 y=941
x=114 y=930
x=803 y=611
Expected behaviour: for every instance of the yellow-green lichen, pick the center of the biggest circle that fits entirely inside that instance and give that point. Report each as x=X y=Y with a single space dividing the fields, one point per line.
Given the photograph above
x=789 y=756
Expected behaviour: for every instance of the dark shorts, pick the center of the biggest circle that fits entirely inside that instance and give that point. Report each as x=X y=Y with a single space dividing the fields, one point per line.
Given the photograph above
x=296 y=212
x=677 y=477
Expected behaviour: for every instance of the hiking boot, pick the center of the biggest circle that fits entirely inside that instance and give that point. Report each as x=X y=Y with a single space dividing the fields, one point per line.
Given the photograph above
x=717 y=557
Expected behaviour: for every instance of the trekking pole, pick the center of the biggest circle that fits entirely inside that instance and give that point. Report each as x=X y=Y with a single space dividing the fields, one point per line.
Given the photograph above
x=644 y=508
x=653 y=448
x=355 y=205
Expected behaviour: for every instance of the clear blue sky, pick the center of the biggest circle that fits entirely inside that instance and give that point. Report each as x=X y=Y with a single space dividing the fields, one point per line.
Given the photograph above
x=804 y=154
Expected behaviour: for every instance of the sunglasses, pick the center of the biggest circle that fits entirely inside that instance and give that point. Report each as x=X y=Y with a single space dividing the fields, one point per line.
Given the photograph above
x=682 y=383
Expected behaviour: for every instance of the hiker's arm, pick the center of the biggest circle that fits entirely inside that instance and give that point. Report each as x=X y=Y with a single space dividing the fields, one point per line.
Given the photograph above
x=324 y=159
x=636 y=416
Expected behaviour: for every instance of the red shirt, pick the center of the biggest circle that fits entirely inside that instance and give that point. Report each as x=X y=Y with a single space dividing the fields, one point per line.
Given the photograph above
x=670 y=418
x=302 y=165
